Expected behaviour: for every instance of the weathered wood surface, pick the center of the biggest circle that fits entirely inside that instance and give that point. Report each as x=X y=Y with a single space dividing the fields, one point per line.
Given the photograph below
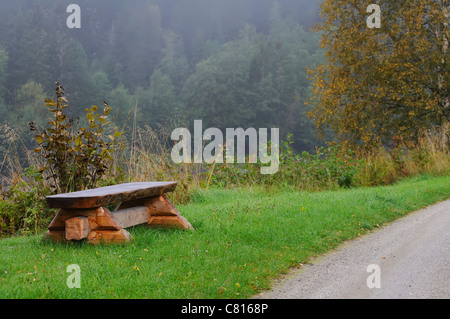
x=99 y=221
x=131 y=216
x=164 y=214
x=77 y=228
x=97 y=218
x=108 y=236
x=109 y=195
x=83 y=215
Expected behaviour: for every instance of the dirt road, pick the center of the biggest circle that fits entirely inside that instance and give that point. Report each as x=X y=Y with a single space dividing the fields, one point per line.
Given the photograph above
x=408 y=259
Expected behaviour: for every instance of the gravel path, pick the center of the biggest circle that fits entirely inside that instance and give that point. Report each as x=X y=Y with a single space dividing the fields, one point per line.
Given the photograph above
x=413 y=255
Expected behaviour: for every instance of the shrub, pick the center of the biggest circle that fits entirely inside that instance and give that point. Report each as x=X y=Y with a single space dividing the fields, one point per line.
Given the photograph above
x=22 y=207
x=75 y=161
x=70 y=162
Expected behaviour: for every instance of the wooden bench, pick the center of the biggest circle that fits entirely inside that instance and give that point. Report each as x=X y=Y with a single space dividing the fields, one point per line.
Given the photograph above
x=83 y=215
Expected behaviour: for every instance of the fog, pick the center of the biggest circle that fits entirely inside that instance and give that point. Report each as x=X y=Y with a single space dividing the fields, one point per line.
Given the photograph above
x=233 y=63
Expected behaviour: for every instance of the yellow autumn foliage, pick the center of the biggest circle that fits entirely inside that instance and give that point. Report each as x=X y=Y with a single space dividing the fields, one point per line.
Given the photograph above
x=381 y=83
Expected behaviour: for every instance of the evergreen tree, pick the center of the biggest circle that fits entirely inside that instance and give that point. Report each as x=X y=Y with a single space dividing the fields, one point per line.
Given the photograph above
x=218 y=91
x=29 y=104
x=4 y=112
x=74 y=73
x=158 y=104
x=3 y=71
x=138 y=44
x=236 y=63
x=122 y=102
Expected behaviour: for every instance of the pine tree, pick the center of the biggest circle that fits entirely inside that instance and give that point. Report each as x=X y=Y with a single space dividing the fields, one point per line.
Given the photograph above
x=3 y=71
x=159 y=103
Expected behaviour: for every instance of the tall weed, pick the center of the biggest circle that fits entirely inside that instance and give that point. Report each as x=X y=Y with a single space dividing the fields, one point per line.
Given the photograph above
x=147 y=157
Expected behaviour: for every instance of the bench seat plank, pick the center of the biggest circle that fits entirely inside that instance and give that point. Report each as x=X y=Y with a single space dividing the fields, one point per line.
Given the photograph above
x=109 y=195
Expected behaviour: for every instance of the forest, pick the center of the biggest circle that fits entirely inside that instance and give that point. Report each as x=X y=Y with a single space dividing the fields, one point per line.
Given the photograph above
x=92 y=99
x=162 y=64
x=356 y=106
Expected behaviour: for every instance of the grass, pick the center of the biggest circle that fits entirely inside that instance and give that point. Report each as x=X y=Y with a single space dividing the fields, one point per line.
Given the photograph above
x=243 y=240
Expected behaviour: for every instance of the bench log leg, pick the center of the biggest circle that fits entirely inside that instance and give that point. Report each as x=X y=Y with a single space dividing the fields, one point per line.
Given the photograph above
x=163 y=214
x=97 y=225
x=77 y=228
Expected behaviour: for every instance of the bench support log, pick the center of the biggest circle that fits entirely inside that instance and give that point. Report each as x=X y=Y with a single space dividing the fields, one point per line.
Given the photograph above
x=77 y=228
x=95 y=224
x=99 y=225
x=162 y=212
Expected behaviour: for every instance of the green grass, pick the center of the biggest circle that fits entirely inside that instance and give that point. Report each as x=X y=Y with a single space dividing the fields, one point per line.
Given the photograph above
x=243 y=240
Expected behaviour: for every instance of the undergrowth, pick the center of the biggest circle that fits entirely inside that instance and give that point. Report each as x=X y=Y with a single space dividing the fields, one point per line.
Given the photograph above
x=70 y=157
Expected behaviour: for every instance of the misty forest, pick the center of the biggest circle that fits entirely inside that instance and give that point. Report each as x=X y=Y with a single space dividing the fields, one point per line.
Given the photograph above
x=163 y=63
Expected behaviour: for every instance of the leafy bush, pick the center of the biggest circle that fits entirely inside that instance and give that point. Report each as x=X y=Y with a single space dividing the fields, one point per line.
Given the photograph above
x=93 y=156
x=334 y=167
x=75 y=161
x=22 y=207
x=70 y=162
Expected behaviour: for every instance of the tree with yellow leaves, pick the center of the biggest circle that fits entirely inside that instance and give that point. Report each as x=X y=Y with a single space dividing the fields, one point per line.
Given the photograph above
x=381 y=83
